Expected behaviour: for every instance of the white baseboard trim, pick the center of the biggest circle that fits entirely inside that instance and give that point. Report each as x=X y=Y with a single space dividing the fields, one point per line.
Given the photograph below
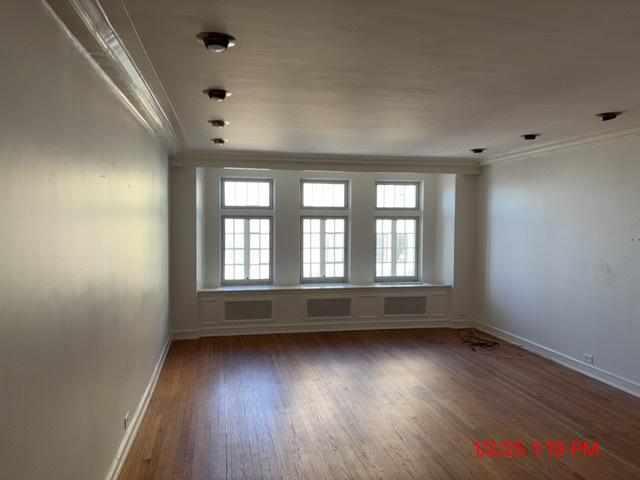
x=455 y=324
x=319 y=326
x=136 y=420
x=185 y=334
x=596 y=373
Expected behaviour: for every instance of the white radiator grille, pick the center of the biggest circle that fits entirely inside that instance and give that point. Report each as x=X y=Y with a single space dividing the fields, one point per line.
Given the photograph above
x=328 y=307
x=405 y=305
x=248 y=310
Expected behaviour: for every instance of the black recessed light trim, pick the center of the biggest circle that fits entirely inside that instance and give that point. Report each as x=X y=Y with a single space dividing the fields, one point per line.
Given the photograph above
x=219 y=141
x=216 y=41
x=218 y=123
x=478 y=150
x=218 y=94
x=606 y=116
x=530 y=136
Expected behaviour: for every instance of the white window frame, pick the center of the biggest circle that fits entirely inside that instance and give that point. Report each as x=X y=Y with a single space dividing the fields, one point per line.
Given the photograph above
x=247 y=248
x=395 y=278
x=247 y=180
x=318 y=180
x=400 y=182
x=323 y=279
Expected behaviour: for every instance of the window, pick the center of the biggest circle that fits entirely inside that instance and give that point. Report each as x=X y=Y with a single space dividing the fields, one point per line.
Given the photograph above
x=324 y=194
x=396 y=248
x=246 y=246
x=397 y=195
x=247 y=193
x=323 y=249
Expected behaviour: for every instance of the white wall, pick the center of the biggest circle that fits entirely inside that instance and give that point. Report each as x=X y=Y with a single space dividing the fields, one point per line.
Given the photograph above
x=559 y=252
x=463 y=306
x=445 y=228
x=83 y=256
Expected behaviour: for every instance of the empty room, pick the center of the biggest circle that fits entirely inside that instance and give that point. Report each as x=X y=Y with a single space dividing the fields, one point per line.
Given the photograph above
x=319 y=240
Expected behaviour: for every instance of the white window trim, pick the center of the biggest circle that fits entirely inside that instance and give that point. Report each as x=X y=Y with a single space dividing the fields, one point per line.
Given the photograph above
x=399 y=182
x=268 y=281
x=248 y=180
x=317 y=180
x=321 y=279
x=394 y=278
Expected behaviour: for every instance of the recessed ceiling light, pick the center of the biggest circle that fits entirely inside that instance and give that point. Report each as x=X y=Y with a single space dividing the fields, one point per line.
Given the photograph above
x=215 y=41
x=605 y=116
x=478 y=150
x=218 y=94
x=530 y=136
x=219 y=141
x=218 y=123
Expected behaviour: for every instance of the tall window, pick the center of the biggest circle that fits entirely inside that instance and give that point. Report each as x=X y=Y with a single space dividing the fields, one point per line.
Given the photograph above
x=397 y=245
x=246 y=246
x=396 y=248
x=324 y=194
x=324 y=249
x=247 y=193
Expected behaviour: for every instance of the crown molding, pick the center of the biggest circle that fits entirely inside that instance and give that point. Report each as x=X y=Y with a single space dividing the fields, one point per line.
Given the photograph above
x=590 y=138
x=324 y=162
x=89 y=28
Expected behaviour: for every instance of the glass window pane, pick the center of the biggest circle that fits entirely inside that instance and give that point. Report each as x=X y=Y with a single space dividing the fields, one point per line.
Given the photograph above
x=323 y=252
x=264 y=272
x=320 y=194
x=396 y=195
x=396 y=247
x=238 y=272
x=237 y=252
x=245 y=193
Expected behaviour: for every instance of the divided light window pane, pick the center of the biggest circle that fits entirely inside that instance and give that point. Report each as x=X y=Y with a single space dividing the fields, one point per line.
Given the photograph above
x=247 y=250
x=246 y=193
x=324 y=194
x=396 y=250
x=323 y=248
x=397 y=195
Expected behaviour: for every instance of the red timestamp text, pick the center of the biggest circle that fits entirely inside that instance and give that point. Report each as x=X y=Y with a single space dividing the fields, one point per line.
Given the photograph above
x=515 y=449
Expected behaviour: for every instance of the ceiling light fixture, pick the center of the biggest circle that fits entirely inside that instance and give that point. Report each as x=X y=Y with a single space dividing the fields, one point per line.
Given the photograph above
x=218 y=94
x=215 y=41
x=218 y=123
x=478 y=150
x=530 y=136
x=219 y=141
x=606 y=116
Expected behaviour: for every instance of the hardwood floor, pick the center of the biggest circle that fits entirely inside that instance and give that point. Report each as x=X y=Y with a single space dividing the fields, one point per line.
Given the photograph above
x=403 y=404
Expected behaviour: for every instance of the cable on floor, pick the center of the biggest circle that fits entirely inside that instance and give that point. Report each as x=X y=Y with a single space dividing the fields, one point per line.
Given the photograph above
x=471 y=337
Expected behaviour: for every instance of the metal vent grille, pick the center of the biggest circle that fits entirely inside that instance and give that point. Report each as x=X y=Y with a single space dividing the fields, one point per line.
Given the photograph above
x=405 y=305
x=248 y=310
x=328 y=307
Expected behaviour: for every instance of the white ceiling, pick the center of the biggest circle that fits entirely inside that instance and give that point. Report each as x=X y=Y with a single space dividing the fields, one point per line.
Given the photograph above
x=429 y=78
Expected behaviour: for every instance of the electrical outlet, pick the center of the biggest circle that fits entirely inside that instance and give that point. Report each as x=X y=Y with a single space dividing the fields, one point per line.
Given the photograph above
x=126 y=420
x=588 y=358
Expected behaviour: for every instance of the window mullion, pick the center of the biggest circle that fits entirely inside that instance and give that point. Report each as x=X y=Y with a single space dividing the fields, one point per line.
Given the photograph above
x=322 y=252
x=247 y=248
x=393 y=247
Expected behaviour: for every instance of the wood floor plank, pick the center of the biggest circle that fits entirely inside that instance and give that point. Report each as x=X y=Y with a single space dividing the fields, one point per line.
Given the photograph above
x=403 y=404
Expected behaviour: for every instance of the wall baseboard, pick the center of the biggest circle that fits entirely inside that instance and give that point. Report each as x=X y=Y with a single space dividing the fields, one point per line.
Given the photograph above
x=320 y=326
x=611 y=379
x=136 y=420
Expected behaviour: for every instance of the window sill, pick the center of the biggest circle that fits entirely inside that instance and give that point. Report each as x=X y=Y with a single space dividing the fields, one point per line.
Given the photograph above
x=318 y=286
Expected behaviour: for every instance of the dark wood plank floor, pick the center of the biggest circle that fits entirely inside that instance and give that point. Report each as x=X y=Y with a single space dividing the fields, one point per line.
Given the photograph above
x=376 y=404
